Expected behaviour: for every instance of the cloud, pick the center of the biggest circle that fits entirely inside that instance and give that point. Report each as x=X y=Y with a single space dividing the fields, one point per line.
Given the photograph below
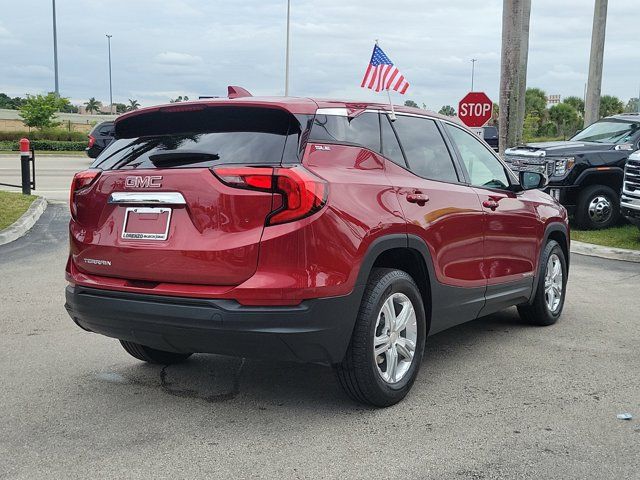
x=175 y=47
x=179 y=59
x=29 y=71
x=7 y=38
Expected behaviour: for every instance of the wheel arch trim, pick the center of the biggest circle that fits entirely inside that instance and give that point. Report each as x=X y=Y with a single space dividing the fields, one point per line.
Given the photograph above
x=548 y=231
x=588 y=173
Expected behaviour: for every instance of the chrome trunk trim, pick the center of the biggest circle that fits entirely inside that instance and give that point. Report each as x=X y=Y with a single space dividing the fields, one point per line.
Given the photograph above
x=147 y=198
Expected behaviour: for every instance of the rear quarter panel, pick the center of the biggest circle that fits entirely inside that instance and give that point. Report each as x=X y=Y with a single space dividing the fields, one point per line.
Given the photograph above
x=322 y=254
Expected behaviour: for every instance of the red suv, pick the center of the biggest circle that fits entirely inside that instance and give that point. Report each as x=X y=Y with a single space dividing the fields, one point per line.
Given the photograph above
x=307 y=230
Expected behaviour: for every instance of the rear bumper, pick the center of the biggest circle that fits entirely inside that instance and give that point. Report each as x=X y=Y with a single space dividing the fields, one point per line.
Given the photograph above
x=93 y=152
x=317 y=330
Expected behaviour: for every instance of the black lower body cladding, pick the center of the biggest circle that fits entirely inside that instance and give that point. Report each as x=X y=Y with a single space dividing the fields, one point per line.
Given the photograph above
x=317 y=330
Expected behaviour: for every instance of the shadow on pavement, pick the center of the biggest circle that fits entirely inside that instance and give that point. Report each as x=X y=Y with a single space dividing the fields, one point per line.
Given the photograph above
x=218 y=379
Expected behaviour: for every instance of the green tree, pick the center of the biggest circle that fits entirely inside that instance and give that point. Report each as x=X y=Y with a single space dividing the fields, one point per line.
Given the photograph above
x=495 y=115
x=410 y=103
x=548 y=129
x=120 y=107
x=632 y=106
x=133 y=105
x=179 y=99
x=447 y=110
x=535 y=102
x=68 y=108
x=531 y=127
x=565 y=118
x=38 y=110
x=10 y=103
x=575 y=102
x=610 y=105
x=93 y=105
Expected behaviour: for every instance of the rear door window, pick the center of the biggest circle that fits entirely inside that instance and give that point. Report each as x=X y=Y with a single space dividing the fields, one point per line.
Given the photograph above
x=203 y=138
x=425 y=149
x=362 y=130
x=390 y=146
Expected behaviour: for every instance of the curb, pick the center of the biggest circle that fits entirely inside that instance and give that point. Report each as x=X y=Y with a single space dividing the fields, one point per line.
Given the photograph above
x=24 y=223
x=611 y=253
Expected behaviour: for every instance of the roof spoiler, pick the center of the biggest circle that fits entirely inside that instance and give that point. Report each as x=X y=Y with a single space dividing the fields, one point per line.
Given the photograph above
x=237 y=92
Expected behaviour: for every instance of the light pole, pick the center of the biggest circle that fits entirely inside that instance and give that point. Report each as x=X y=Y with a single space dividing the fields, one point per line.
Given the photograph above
x=473 y=68
x=286 y=67
x=110 y=86
x=55 y=49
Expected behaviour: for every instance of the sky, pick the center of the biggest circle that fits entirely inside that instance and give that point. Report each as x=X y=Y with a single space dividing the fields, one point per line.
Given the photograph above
x=165 y=48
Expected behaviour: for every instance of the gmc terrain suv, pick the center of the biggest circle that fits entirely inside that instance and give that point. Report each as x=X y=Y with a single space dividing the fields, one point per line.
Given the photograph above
x=307 y=230
x=586 y=171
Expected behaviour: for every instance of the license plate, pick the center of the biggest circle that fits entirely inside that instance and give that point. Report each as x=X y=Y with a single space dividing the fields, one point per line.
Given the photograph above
x=146 y=223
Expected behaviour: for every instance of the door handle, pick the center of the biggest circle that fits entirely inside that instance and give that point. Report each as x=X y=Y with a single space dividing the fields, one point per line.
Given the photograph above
x=492 y=204
x=417 y=197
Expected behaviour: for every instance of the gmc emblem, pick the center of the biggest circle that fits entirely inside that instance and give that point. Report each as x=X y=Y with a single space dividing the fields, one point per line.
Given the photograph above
x=150 y=181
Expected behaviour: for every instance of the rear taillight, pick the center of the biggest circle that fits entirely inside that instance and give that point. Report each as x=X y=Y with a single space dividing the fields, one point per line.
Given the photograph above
x=244 y=177
x=303 y=193
x=81 y=181
x=92 y=140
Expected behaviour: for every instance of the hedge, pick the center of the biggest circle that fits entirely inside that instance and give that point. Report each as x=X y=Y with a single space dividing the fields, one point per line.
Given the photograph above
x=54 y=134
x=47 y=145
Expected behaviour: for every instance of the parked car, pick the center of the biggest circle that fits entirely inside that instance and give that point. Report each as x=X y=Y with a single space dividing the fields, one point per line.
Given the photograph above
x=307 y=230
x=99 y=138
x=585 y=172
x=630 y=200
x=490 y=135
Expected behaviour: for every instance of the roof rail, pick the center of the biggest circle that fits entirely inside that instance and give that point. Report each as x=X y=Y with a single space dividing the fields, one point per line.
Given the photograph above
x=237 y=92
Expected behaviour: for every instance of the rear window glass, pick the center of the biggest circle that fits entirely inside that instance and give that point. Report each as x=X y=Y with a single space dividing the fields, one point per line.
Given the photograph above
x=362 y=130
x=203 y=138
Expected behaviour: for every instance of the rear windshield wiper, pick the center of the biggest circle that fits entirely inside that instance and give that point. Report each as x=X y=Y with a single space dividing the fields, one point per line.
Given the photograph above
x=174 y=158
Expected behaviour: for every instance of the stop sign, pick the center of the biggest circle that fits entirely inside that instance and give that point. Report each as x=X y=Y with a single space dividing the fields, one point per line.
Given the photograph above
x=475 y=109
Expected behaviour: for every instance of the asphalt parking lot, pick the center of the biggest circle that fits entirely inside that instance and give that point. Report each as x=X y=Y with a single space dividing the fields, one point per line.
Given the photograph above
x=495 y=398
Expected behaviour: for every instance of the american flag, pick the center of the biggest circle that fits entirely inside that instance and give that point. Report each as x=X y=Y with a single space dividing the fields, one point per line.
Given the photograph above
x=381 y=74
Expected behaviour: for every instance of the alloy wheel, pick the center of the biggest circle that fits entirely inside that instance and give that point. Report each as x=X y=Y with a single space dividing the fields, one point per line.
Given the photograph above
x=394 y=342
x=553 y=283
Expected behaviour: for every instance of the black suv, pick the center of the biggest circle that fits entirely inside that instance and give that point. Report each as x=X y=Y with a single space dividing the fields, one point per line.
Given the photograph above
x=100 y=136
x=490 y=135
x=585 y=173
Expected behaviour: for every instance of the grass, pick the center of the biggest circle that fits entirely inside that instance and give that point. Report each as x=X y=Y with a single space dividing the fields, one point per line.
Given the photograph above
x=627 y=236
x=12 y=206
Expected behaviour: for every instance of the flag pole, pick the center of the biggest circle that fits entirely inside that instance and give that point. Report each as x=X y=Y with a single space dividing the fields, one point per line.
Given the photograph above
x=392 y=117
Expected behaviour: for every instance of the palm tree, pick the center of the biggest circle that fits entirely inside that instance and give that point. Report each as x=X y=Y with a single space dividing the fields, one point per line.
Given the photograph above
x=133 y=104
x=93 y=105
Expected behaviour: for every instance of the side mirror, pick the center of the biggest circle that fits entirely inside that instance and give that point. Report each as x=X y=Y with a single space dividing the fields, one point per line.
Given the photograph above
x=533 y=180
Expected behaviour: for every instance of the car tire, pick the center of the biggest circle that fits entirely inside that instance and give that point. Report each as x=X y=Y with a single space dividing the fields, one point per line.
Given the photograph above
x=151 y=355
x=544 y=310
x=375 y=379
x=598 y=207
